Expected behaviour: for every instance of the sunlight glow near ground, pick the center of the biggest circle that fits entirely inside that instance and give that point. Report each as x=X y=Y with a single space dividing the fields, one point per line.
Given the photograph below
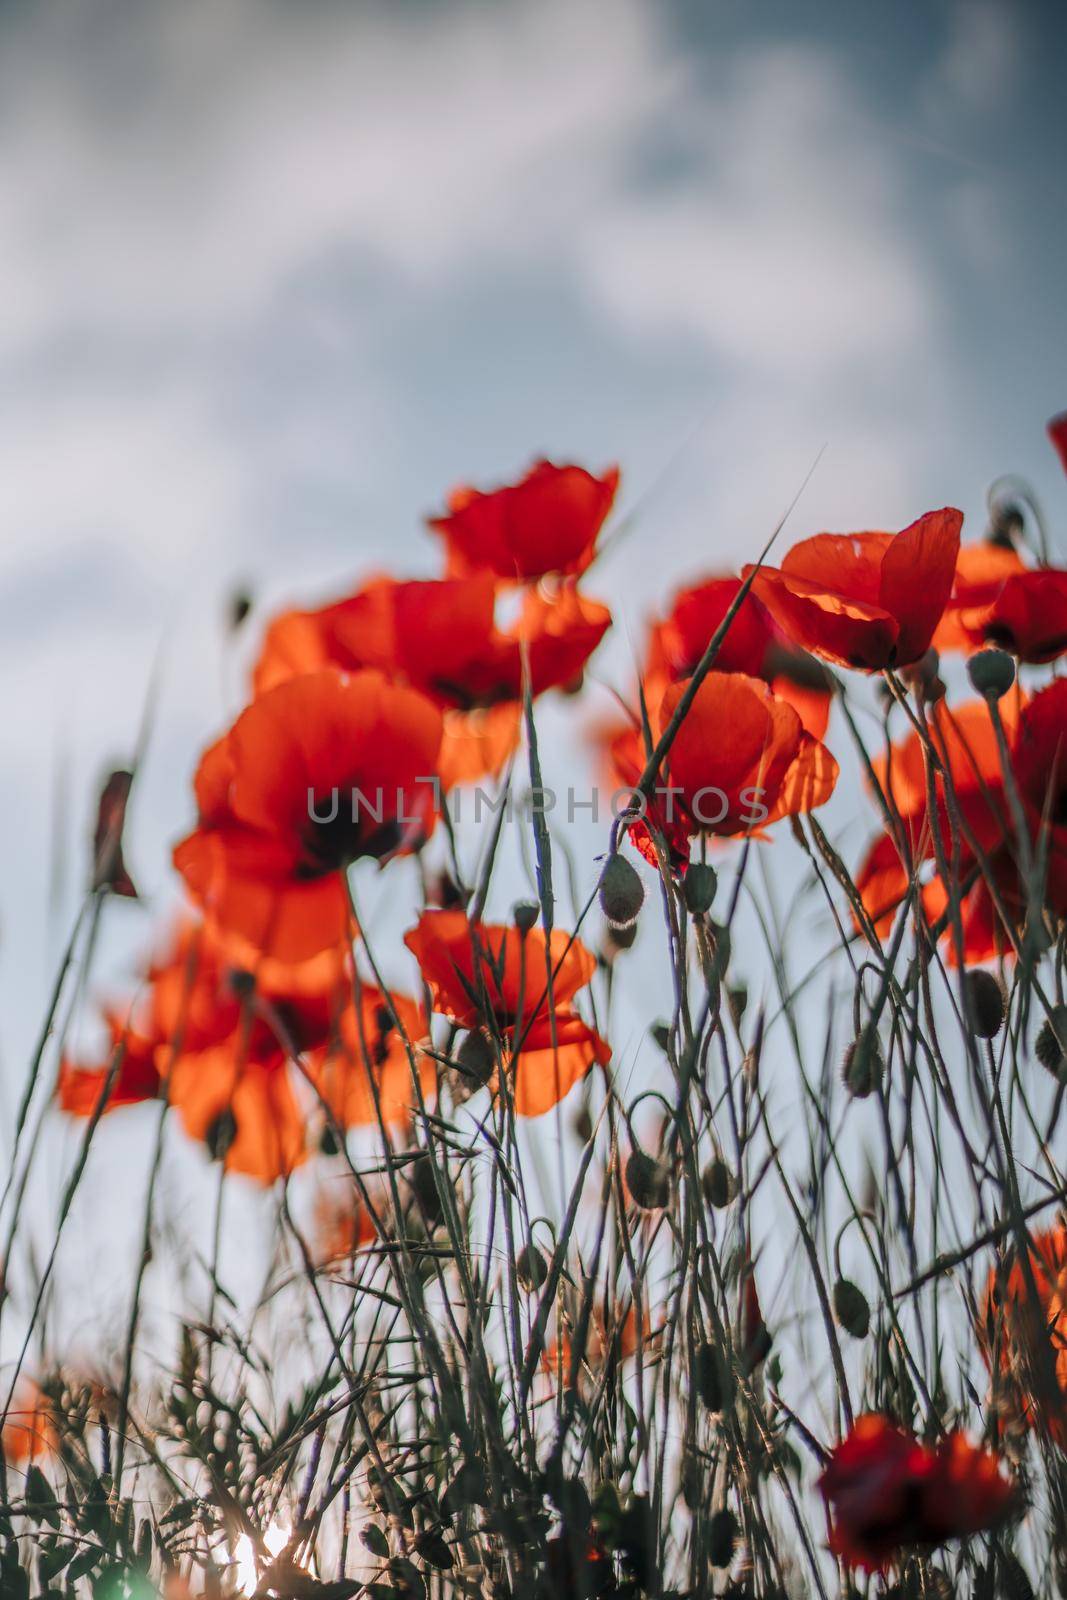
x=246 y=1568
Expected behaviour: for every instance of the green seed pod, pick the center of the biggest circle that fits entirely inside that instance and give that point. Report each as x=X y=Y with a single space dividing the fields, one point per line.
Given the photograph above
x=851 y=1308
x=476 y=1058
x=691 y=1481
x=220 y=1135
x=583 y=1124
x=722 y=947
x=622 y=893
x=531 y=1267
x=648 y=1180
x=718 y=1183
x=992 y=673
x=722 y=1537
x=708 y=1377
x=619 y=939
x=661 y=1033
x=985 y=998
x=525 y=915
x=1051 y=1046
x=864 y=1064
x=698 y=888
x=737 y=998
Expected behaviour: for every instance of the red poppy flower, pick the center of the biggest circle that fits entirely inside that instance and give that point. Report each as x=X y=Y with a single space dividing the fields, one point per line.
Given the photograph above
x=1025 y=1340
x=366 y=1066
x=741 y=758
x=316 y=772
x=482 y=976
x=754 y=644
x=27 y=1428
x=966 y=748
x=867 y=600
x=219 y=1047
x=343 y=1224
x=1027 y=617
x=886 y=1492
x=131 y=1057
x=1057 y=432
x=990 y=883
x=981 y=572
x=625 y=762
x=548 y=522
x=441 y=638
x=606 y=1339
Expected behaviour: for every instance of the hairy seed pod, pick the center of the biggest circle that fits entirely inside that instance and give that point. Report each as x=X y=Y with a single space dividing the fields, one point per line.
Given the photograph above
x=622 y=893
x=531 y=1267
x=718 y=1183
x=1051 y=1045
x=476 y=1058
x=648 y=1180
x=619 y=939
x=864 y=1064
x=698 y=888
x=992 y=673
x=722 y=1537
x=525 y=915
x=851 y=1308
x=985 y=997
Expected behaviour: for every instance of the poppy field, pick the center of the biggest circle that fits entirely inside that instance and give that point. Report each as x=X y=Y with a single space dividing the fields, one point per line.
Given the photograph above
x=563 y=1294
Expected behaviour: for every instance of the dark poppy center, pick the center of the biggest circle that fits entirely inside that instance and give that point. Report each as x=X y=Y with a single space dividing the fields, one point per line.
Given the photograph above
x=333 y=837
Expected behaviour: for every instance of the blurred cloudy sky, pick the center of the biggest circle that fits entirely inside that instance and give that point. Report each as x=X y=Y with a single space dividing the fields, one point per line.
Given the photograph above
x=273 y=277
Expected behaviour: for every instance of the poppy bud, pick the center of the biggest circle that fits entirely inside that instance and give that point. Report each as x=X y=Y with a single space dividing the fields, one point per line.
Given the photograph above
x=220 y=1135
x=722 y=946
x=109 y=868
x=698 y=888
x=661 y=1033
x=718 y=1183
x=622 y=893
x=531 y=1267
x=648 y=1180
x=1051 y=1046
x=525 y=914
x=864 y=1066
x=722 y=1537
x=476 y=1057
x=583 y=1124
x=709 y=1376
x=619 y=939
x=1006 y=523
x=992 y=673
x=240 y=606
x=851 y=1308
x=923 y=674
x=737 y=996
x=241 y=983
x=691 y=1482
x=986 y=1000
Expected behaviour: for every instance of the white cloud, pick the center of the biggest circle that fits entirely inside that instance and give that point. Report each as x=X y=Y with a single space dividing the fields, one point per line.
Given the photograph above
x=980 y=66
x=784 y=245
x=184 y=181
